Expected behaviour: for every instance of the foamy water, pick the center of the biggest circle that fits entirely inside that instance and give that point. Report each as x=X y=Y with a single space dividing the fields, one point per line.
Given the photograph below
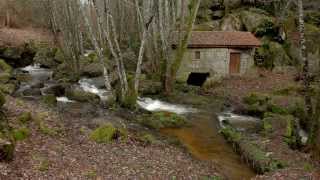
x=239 y=121
x=88 y=86
x=157 y=105
x=64 y=99
x=34 y=67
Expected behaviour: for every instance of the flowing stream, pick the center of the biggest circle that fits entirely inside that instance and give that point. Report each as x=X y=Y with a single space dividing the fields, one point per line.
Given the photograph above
x=202 y=138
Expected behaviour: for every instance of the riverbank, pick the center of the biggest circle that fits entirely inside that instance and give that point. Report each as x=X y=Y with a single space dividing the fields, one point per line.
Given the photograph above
x=276 y=147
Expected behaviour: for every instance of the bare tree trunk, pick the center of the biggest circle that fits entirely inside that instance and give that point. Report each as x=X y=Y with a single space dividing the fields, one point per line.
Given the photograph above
x=194 y=4
x=99 y=53
x=145 y=29
x=305 y=70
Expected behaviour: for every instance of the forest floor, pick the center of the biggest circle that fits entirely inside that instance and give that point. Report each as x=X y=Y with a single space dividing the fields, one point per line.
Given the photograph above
x=18 y=37
x=63 y=150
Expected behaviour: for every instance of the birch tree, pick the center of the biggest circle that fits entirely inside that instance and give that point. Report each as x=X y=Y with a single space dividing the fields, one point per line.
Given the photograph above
x=186 y=33
x=303 y=54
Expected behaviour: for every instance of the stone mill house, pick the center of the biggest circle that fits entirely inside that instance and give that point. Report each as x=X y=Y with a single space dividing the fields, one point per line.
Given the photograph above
x=215 y=54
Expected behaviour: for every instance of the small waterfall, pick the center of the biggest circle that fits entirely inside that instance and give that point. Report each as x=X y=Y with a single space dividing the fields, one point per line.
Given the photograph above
x=156 y=105
x=37 y=73
x=240 y=122
x=91 y=85
x=64 y=100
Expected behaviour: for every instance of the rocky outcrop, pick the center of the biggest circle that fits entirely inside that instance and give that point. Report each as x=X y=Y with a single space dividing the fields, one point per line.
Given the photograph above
x=231 y=22
x=18 y=56
x=254 y=18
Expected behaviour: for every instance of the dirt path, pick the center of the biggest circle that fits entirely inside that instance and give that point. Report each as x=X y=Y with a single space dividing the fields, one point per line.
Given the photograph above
x=70 y=154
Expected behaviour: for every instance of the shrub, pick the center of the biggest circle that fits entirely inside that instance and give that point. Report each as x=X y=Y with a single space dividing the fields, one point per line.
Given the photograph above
x=21 y=134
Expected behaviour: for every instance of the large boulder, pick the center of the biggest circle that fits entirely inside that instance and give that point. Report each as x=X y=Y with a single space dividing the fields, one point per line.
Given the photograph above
x=231 y=22
x=18 y=56
x=46 y=57
x=254 y=18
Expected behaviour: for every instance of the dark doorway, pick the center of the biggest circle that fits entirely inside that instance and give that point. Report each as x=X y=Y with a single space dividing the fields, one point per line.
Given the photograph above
x=197 y=79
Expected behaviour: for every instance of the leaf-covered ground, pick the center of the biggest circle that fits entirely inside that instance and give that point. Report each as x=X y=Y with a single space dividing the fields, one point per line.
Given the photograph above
x=61 y=149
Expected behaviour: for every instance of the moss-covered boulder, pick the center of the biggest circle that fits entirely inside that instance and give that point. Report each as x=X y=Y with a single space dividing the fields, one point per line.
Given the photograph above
x=5 y=71
x=78 y=94
x=254 y=18
x=105 y=134
x=4 y=67
x=159 y=120
x=12 y=53
x=46 y=57
x=6 y=150
x=18 y=56
x=90 y=66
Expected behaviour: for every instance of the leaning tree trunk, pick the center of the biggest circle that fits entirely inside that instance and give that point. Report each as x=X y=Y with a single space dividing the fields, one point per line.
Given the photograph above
x=305 y=70
x=194 y=4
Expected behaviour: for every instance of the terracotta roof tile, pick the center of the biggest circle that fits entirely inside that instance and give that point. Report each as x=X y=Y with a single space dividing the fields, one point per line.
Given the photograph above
x=220 y=39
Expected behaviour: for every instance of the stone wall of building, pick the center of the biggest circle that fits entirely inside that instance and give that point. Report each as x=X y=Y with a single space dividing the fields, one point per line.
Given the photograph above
x=212 y=60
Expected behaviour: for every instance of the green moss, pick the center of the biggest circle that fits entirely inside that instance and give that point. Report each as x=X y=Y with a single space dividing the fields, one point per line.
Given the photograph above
x=25 y=117
x=255 y=98
x=4 y=77
x=130 y=100
x=49 y=100
x=267 y=126
x=21 y=134
x=7 y=88
x=2 y=99
x=273 y=108
x=231 y=134
x=4 y=67
x=161 y=120
x=104 y=134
